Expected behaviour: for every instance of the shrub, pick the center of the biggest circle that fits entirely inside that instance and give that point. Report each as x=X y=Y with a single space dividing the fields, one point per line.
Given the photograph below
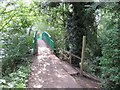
x=110 y=59
x=16 y=79
x=17 y=49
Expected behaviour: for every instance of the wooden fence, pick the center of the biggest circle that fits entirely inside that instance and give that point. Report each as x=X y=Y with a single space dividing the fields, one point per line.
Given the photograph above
x=68 y=55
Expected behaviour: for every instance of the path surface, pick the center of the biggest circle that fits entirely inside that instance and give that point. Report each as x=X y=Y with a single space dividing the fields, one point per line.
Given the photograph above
x=48 y=72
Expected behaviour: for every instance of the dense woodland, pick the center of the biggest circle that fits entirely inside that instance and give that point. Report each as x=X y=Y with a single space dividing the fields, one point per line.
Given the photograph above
x=66 y=22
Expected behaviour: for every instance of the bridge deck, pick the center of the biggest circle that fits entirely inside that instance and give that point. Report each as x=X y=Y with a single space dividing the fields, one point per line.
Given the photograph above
x=47 y=71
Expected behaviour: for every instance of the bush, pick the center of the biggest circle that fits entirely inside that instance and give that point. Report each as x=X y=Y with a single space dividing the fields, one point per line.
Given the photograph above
x=16 y=79
x=110 y=59
x=17 y=49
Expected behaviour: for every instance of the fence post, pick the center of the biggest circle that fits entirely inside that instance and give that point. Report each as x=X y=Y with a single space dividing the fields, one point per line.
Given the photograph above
x=82 y=55
x=70 y=57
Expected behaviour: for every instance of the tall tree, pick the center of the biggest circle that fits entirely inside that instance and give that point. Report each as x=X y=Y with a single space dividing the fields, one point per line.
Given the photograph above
x=80 y=22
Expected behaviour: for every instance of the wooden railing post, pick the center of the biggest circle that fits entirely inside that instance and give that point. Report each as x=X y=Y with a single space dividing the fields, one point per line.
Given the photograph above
x=70 y=57
x=82 y=55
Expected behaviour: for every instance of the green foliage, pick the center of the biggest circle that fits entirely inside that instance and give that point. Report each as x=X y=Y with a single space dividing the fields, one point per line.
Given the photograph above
x=110 y=42
x=16 y=79
x=53 y=19
x=14 y=17
x=81 y=22
x=110 y=59
x=92 y=66
x=16 y=50
x=16 y=20
x=66 y=23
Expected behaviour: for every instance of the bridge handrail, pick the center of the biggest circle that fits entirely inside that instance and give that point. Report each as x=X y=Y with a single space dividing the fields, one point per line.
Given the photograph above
x=47 y=38
x=34 y=42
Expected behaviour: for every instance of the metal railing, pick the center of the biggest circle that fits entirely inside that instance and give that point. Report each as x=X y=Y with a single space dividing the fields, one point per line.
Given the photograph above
x=34 y=42
x=47 y=38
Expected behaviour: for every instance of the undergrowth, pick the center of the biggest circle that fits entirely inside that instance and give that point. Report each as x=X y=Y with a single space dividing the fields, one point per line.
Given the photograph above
x=17 y=79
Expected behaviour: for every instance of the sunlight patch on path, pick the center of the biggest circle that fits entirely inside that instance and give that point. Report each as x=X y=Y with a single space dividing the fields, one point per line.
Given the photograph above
x=47 y=71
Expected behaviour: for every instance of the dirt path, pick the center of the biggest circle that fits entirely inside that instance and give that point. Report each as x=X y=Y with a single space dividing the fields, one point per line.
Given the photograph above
x=47 y=71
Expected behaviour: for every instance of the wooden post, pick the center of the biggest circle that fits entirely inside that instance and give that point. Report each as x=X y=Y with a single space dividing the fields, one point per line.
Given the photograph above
x=82 y=55
x=70 y=57
x=62 y=54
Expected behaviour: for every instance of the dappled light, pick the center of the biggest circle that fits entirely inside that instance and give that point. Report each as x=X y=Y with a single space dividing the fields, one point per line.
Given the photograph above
x=46 y=69
x=63 y=44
